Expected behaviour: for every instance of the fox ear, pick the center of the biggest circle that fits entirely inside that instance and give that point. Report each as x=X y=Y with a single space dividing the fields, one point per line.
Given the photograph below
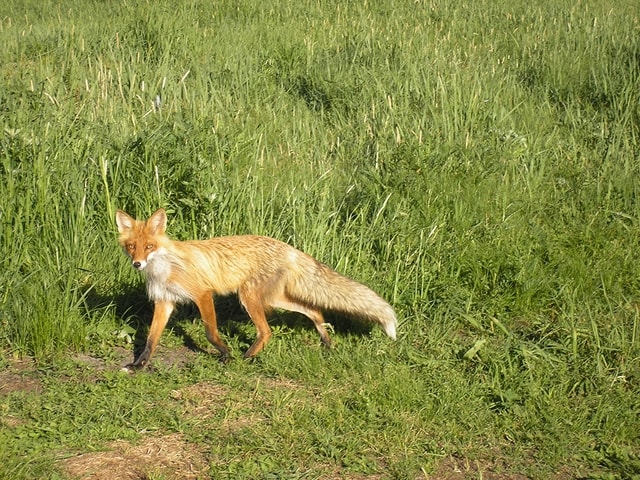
x=158 y=221
x=124 y=221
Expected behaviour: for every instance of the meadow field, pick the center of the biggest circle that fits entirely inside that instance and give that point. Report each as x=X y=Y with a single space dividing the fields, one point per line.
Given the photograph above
x=475 y=163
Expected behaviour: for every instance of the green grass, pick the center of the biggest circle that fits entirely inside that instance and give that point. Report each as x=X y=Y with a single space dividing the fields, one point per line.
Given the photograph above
x=476 y=163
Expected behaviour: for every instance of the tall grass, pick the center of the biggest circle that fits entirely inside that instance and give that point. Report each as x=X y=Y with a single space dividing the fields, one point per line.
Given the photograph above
x=474 y=162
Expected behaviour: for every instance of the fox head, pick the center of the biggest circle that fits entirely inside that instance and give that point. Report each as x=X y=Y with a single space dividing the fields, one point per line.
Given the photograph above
x=140 y=239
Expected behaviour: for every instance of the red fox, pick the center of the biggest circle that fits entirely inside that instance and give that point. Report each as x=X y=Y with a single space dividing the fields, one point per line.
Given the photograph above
x=264 y=272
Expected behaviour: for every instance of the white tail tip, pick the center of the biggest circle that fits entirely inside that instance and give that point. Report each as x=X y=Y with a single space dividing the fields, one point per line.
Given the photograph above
x=390 y=329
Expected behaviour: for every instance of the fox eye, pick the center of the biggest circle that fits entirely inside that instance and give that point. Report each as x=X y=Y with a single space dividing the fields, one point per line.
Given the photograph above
x=130 y=246
x=149 y=246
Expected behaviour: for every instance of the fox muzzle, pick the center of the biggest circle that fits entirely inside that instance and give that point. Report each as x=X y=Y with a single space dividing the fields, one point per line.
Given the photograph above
x=139 y=265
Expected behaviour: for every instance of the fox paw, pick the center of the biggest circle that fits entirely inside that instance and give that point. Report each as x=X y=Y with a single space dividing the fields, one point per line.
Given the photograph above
x=133 y=367
x=130 y=369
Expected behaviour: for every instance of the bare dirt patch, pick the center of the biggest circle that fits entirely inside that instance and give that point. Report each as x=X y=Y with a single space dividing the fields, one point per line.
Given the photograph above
x=178 y=357
x=170 y=456
x=202 y=399
x=455 y=468
x=498 y=468
x=205 y=401
x=19 y=377
x=166 y=357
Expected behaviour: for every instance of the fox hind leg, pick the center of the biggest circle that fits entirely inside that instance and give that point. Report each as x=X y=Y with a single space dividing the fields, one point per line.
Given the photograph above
x=284 y=303
x=252 y=301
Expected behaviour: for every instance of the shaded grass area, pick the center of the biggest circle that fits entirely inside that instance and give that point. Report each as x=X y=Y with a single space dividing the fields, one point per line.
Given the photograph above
x=476 y=164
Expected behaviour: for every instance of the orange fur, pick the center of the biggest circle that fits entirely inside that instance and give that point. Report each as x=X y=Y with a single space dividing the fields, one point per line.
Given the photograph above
x=264 y=272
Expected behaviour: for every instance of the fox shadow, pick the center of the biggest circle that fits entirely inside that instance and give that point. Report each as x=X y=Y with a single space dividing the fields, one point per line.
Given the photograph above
x=133 y=307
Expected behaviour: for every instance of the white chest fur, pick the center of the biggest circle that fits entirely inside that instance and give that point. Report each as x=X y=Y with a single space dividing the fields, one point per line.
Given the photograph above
x=160 y=287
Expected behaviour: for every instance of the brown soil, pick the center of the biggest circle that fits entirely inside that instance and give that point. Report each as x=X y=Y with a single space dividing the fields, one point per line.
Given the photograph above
x=170 y=456
x=19 y=376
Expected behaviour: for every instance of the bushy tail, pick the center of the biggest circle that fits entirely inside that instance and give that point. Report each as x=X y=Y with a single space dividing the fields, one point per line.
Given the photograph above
x=320 y=286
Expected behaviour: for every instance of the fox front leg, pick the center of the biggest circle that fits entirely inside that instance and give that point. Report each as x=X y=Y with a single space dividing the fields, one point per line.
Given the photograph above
x=161 y=313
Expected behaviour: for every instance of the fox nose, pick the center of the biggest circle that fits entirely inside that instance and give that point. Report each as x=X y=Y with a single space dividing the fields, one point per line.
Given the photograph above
x=137 y=265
